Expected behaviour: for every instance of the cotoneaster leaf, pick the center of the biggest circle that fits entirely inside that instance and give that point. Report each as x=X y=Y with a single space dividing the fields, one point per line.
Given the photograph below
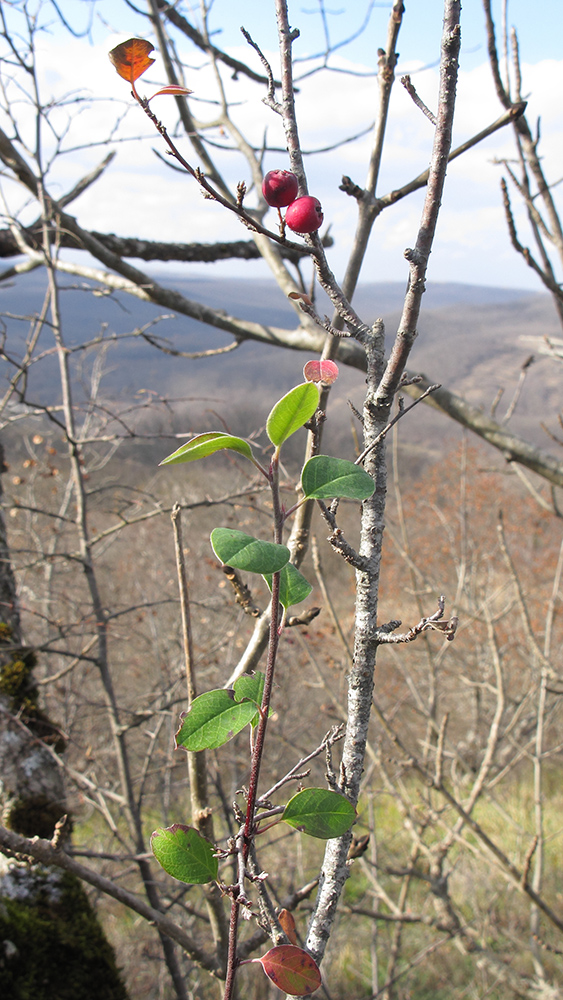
x=212 y=720
x=235 y=548
x=294 y=588
x=252 y=688
x=287 y=923
x=174 y=90
x=203 y=445
x=324 y=478
x=131 y=58
x=185 y=854
x=318 y=812
x=325 y=372
x=292 y=970
x=291 y=412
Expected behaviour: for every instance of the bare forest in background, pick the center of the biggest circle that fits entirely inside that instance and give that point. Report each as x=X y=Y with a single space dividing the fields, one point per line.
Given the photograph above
x=418 y=683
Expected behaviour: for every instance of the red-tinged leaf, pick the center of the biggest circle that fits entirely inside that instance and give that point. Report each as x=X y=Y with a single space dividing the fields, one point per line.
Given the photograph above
x=321 y=371
x=292 y=970
x=131 y=58
x=288 y=925
x=172 y=89
x=301 y=297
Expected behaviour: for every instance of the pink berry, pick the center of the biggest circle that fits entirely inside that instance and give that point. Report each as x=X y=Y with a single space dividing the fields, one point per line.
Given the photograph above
x=304 y=215
x=280 y=188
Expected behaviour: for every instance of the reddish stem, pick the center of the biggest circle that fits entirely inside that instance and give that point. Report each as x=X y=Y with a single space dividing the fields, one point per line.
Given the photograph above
x=249 y=830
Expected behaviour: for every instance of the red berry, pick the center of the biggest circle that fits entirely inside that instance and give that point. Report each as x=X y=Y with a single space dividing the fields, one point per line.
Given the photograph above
x=304 y=215
x=280 y=188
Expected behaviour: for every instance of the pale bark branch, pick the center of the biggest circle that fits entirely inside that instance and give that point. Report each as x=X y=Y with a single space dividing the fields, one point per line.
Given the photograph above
x=377 y=406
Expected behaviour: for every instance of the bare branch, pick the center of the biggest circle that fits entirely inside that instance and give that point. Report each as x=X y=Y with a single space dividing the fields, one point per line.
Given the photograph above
x=411 y=91
x=42 y=850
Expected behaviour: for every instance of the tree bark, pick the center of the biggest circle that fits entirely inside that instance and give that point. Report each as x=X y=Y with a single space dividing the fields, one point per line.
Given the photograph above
x=69 y=943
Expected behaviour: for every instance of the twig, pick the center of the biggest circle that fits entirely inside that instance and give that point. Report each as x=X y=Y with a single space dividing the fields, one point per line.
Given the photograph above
x=333 y=736
x=236 y=208
x=528 y=860
x=326 y=594
x=419 y=255
x=42 y=850
x=510 y=869
x=509 y=116
x=243 y=595
x=518 y=391
x=338 y=541
x=176 y=518
x=402 y=412
x=411 y=91
x=270 y=100
x=433 y=622
x=171 y=12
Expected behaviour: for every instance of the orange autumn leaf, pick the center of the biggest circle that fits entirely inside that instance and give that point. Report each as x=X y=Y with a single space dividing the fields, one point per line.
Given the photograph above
x=288 y=925
x=131 y=58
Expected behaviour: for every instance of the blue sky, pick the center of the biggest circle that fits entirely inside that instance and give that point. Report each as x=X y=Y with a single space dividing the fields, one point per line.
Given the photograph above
x=139 y=196
x=540 y=36
x=539 y=26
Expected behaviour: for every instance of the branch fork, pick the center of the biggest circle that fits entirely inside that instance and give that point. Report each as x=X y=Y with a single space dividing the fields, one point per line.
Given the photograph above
x=435 y=622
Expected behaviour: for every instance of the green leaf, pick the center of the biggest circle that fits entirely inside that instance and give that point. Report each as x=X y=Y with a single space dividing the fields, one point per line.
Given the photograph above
x=185 y=854
x=213 y=719
x=291 y=412
x=234 y=548
x=291 y=969
x=207 y=444
x=294 y=588
x=320 y=813
x=324 y=478
x=251 y=687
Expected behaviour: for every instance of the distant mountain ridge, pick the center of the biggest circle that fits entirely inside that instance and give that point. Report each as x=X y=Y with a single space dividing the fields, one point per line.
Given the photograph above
x=468 y=340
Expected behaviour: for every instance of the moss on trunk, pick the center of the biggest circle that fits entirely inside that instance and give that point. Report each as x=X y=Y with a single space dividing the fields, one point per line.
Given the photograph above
x=51 y=944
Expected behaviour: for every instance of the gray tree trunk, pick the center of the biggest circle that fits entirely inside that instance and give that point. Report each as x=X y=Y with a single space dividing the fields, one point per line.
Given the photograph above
x=51 y=943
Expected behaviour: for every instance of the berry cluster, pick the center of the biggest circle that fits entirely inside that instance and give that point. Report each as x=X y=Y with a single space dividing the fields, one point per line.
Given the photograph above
x=303 y=215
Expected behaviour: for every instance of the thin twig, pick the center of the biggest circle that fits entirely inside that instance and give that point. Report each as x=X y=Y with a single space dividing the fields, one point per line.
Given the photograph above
x=411 y=91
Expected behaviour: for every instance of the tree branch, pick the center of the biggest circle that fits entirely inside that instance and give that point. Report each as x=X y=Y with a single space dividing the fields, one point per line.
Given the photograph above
x=14 y=845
